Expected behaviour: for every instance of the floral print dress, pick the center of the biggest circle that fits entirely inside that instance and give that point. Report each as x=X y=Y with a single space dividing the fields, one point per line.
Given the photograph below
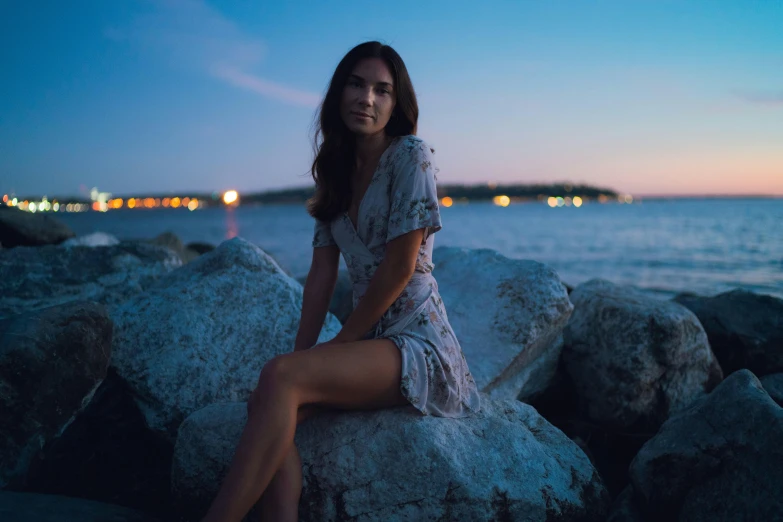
x=402 y=197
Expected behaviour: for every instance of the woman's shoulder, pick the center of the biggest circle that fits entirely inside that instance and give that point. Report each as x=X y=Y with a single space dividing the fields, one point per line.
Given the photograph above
x=412 y=149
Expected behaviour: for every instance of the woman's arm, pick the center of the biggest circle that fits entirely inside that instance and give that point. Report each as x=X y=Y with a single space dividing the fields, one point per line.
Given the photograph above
x=317 y=295
x=385 y=287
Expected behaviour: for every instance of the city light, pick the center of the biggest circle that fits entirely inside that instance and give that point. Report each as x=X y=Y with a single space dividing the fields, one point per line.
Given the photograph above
x=446 y=201
x=501 y=201
x=230 y=197
x=577 y=201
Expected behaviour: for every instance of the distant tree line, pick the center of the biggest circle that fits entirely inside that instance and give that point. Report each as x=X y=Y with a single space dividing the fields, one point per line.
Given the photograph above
x=477 y=192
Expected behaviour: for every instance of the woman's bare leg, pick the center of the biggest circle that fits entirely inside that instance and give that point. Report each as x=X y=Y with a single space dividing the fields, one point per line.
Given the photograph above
x=280 y=501
x=363 y=374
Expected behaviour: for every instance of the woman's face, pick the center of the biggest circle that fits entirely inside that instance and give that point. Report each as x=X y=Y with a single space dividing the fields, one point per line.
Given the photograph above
x=368 y=97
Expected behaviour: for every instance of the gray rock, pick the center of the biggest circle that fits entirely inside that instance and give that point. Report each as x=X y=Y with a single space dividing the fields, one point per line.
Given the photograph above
x=202 y=333
x=773 y=384
x=506 y=463
x=174 y=243
x=625 y=509
x=341 y=304
x=34 y=278
x=20 y=228
x=719 y=460
x=51 y=362
x=108 y=454
x=507 y=314
x=634 y=359
x=200 y=247
x=33 y=507
x=745 y=329
x=96 y=239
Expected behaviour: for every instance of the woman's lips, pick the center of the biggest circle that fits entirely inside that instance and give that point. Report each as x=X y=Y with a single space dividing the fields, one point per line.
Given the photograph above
x=362 y=116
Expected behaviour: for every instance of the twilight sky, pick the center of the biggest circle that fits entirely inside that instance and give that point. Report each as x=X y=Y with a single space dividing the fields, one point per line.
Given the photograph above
x=646 y=97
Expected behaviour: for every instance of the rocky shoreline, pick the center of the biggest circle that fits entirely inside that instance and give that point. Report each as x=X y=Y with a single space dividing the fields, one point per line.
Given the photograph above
x=124 y=367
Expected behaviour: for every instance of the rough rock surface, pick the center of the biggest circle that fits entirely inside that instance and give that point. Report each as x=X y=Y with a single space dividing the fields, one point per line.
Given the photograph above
x=202 y=333
x=174 y=243
x=633 y=359
x=96 y=239
x=719 y=460
x=507 y=314
x=200 y=247
x=342 y=299
x=506 y=463
x=51 y=362
x=32 y=507
x=745 y=329
x=109 y=454
x=34 y=278
x=625 y=509
x=773 y=384
x=21 y=228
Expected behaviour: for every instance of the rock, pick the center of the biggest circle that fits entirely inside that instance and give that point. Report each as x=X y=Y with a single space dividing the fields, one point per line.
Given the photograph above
x=32 y=507
x=507 y=314
x=109 y=454
x=506 y=463
x=341 y=304
x=34 y=278
x=745 y=329
x=20 y=228
x=51 y=362
x=773 y=384
x=719 y=460
x=625 y=509
x=174 y=243
x=202 y=333
x=96 y=239
x=633 y=359
x=200 y=247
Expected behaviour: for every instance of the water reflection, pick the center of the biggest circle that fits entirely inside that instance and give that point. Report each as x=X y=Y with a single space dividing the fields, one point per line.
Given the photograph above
x=232 y=230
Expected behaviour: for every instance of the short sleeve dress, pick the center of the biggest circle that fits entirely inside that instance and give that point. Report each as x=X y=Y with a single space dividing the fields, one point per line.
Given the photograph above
x=402 y=197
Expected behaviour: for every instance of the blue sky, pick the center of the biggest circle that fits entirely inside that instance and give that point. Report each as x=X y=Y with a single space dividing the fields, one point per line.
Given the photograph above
x=190 y=95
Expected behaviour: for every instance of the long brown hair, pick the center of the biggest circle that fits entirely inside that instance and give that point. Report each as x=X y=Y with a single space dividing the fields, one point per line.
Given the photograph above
x=335 y=145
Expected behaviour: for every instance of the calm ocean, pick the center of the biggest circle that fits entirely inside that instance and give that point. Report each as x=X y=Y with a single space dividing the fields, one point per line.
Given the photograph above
x=665 y=246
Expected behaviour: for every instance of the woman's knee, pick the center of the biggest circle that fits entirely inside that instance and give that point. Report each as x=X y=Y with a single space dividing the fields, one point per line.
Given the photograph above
x=277 y=373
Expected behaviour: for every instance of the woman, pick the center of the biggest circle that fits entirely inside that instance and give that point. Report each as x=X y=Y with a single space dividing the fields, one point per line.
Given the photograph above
x=376 y=203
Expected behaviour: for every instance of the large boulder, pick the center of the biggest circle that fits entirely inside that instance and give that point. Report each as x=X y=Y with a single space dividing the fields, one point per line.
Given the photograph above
x=95 y=239
x=109 y=454
x=773 y=384
x=633 y=359
x=745 y=329
x=202 y=333
x=341 y=304
x=508 y=315
x=51 y=362
x=32 y=507
x=505 y=463
x=20 y=228
x=174 y=243
x=719 y=460
x=34 y=278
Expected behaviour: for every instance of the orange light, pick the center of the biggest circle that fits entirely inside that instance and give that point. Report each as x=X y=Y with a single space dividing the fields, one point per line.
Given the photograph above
x=166 y=202
x=447 y=201
x=96 y=205
x=175 y=202
x=230 y=197
x=185 y=201
x=5 y=198
x=131 y=203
